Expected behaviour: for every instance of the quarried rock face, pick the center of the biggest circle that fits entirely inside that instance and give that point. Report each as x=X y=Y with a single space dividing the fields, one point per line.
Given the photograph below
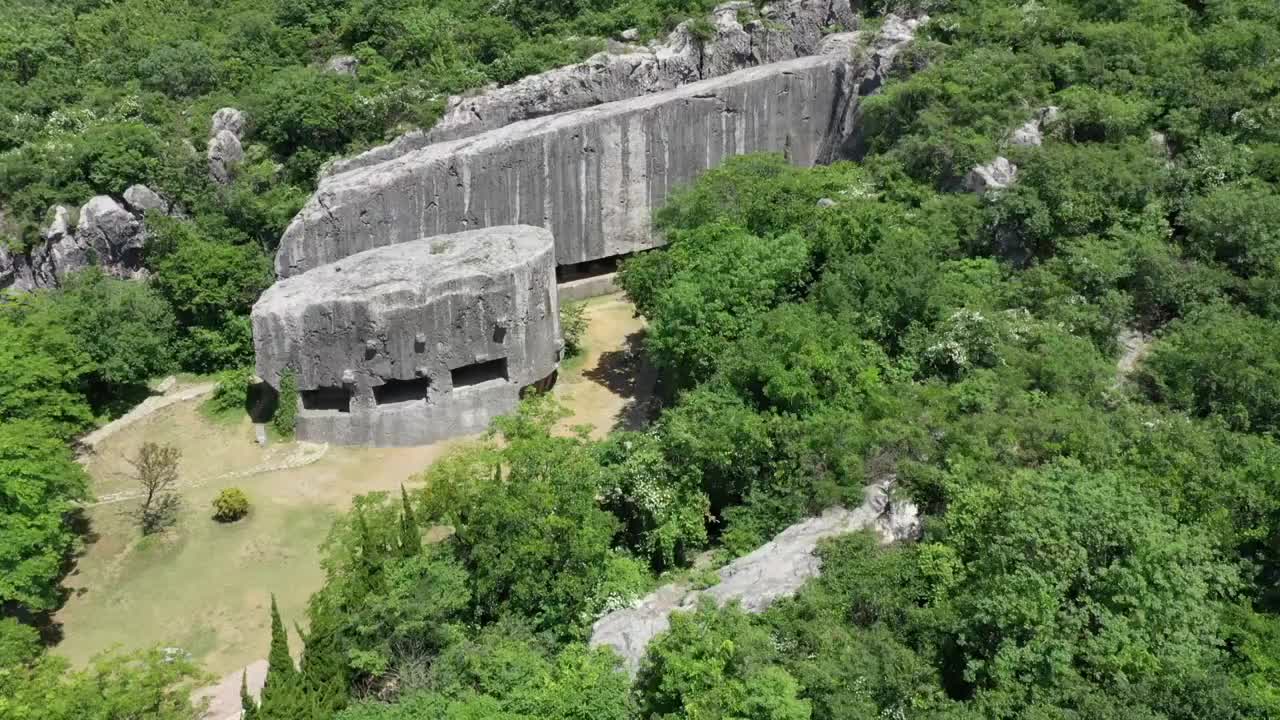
x=775 y=570
x=743 y=37
x=416 y=342
x=593 y=177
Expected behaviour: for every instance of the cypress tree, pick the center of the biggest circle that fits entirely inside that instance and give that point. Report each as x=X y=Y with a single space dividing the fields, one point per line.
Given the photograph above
x=324 y=672
x=410 y=536
x=371 y=554
x=279 y=663
x=282 y=697
x=249 y=708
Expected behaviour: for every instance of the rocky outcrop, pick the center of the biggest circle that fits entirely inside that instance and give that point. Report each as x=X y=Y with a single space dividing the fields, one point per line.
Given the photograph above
x=990 y=177
x=594 y=176
x=225 y=150
x=414 y=343
x=105 y=234
x=229 y=119
x=347 y=65
x=140 y=199
x=775 y=570
x=1031 y=133
x=741 y=37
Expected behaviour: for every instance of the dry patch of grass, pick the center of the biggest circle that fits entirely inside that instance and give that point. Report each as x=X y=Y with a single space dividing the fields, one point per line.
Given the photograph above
x=205 y=586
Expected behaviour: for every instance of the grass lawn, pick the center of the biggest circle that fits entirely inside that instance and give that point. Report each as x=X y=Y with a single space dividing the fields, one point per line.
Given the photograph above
x=206 y=587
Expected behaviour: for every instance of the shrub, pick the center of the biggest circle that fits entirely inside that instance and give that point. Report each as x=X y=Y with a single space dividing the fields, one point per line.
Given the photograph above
x=232 y=392
x=287 y=410
x=573 y=325
x=230 y=505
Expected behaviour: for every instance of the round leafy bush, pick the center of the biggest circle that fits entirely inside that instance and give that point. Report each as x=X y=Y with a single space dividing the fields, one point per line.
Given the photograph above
x=230 y=505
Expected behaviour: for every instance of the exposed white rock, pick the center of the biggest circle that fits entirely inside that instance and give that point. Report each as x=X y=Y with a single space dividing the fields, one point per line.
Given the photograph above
x=1159 y=143
x=229 y=119
x=775 y=570
x=343 y=65
x=1031 y=133
x=225 y=149
x=998 y=174
x=225 y=152
x=140 y=199
x=593 y=176
x=630 y=34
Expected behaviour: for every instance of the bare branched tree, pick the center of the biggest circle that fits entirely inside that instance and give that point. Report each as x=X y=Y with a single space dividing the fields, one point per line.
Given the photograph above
x=156 y=470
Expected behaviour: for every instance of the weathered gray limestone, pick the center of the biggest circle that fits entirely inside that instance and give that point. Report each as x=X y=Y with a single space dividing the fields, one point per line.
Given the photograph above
x=593 y=177
x=774 y=570
x=588 y=287
x=417 y=342
x=743 y=35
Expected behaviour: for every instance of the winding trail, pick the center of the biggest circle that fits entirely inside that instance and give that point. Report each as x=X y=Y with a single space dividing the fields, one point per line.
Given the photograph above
x=89 y=443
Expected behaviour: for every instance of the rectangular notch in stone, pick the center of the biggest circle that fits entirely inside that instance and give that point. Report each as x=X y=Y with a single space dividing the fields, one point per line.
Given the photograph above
x=326 y=398
x=479 y=373
x=399 y=391
x=588 y=269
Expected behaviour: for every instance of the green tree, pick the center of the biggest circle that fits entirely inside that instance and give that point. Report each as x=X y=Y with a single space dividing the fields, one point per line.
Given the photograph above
x=533 y=539
x=126 y=330
x=150 y=684
x=410 y=533
x=42 y=371
x=283 y=695
x=1046 y=601
x=248 y=706
x=714 y=663
x=40 y=486
x=1219 y=362
x=286 y=416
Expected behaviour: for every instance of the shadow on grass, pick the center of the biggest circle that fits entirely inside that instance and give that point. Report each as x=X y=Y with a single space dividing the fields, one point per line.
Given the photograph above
x=628 y=374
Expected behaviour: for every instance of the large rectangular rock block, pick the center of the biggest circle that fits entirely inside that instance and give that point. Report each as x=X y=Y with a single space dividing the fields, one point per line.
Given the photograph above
x=413 y=343
x=593 y=176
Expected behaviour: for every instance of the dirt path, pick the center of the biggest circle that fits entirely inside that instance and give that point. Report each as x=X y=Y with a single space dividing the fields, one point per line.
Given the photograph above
x=145 y=409
x=206 y=587
x=612 y=385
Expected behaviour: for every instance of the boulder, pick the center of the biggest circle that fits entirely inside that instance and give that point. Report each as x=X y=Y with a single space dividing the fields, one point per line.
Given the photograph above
x=112 y=236
x=343 y=65
x=12 y=266
x=593 y=176
x=225 y=152
x=993 y=176
x=140 y=199
x=776 y=570
x=58 y=252
x=229 y=119
x=1159 y=144
x=630 y=35
x=416 y=342
x=1031 y=133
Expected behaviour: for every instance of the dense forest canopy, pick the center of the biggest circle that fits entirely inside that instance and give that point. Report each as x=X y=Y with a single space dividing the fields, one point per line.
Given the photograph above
x=1097 y=543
